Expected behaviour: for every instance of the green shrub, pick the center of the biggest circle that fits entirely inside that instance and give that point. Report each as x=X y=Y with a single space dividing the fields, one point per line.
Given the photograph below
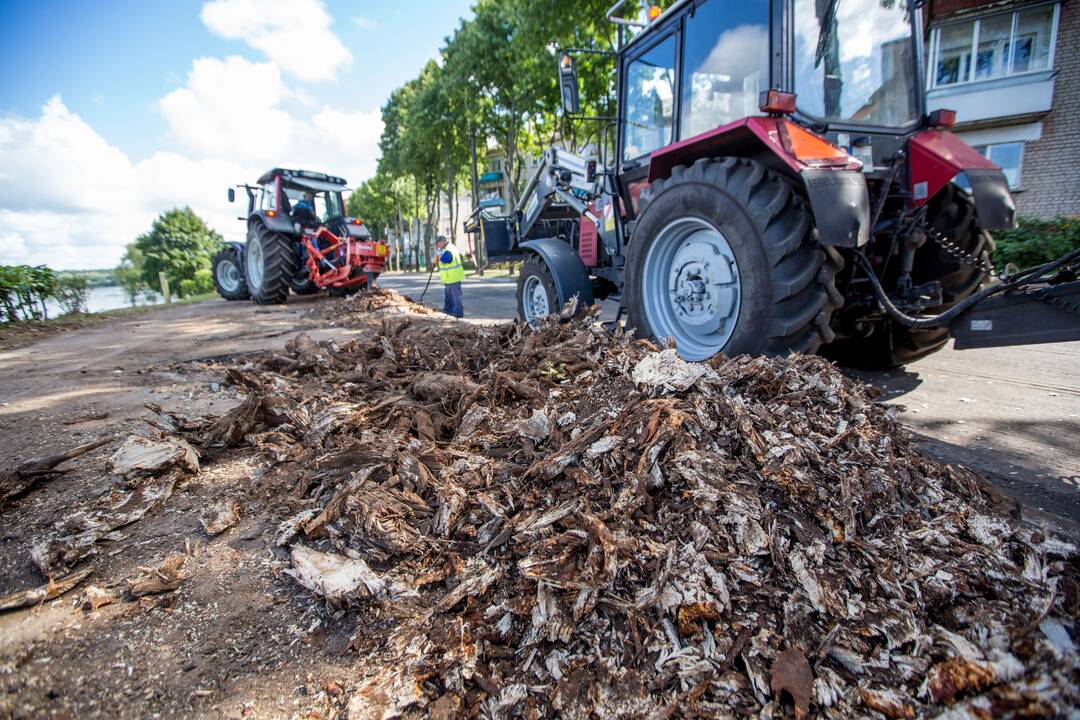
x=202 y=283
x=23 y=291
x=72 y=293
x=1036 y=242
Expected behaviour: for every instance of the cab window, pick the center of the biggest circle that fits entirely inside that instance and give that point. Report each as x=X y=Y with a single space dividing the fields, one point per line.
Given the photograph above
x=650 y=100
x=267 y=197
x=725 y=63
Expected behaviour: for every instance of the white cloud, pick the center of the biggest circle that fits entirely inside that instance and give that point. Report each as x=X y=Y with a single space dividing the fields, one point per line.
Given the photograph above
x=365 y=23
x=229 y=107
x=70 y=199
x=294 y=34
x=216 y=114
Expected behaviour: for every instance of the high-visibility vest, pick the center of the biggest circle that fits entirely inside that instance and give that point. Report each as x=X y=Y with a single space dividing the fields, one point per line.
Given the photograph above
x=451 y=272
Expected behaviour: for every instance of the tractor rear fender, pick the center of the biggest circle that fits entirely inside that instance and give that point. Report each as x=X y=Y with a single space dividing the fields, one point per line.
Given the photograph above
x=937 y=157
x=277 y=222
x=566 y=269
x=832 y=181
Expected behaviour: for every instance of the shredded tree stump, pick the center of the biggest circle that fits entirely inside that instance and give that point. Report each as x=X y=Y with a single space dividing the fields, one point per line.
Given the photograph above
x=574 y=523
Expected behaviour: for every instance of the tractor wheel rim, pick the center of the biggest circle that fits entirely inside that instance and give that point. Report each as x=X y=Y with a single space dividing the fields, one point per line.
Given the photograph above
x=228 y=276
x=534 y=301
x=692 y=288
x=255 y=263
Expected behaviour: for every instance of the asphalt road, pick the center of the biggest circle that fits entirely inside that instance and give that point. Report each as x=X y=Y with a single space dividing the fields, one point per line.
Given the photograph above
x=1012 y=414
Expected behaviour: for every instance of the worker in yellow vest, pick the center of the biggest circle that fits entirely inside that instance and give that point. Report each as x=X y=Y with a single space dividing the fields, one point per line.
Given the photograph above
x=451 y=273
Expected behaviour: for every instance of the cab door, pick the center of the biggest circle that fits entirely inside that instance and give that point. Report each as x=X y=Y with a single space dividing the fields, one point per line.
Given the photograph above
x=648 y=106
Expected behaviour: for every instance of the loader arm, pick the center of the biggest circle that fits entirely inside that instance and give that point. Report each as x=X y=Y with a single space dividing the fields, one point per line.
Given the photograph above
x=555 y=179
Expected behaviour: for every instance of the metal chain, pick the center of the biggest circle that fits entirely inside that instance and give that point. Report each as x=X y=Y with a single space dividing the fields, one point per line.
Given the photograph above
x=977 y=261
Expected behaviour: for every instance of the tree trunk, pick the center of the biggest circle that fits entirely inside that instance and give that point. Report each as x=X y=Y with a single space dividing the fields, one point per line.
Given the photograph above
x=479 y=250
x=450 y=202
x=400 y=230
x=416 y=214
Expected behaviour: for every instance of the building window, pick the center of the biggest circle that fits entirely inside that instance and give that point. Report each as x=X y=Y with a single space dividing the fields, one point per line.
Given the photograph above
x=994 y=46
x=1008 y=156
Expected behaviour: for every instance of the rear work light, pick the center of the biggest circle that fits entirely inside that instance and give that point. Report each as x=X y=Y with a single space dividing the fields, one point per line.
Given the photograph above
x=810 y=149
x=776 y=102
x=942 y=118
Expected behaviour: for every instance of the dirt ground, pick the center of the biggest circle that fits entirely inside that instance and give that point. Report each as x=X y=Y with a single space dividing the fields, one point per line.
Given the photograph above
x=219 y=646
x=237 y=639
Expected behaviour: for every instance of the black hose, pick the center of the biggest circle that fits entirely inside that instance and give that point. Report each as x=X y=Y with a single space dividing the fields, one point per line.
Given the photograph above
x=430 y=275
x=935 y=321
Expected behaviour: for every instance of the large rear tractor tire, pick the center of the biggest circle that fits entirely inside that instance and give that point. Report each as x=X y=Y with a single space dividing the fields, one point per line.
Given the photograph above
x=270 y=263
x=951 y=215
x=725 y=258
x=536 y=294
x=229 y=275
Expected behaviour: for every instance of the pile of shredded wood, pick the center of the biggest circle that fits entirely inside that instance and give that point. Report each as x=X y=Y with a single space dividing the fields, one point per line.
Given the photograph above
x=573 y=522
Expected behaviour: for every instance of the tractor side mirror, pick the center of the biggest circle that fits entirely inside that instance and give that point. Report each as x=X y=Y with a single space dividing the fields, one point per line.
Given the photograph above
x=568 y=84
x=232 y=195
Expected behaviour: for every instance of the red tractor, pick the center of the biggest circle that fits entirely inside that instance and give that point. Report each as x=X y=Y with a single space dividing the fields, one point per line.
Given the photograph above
x=298 y=238
x=777 y=185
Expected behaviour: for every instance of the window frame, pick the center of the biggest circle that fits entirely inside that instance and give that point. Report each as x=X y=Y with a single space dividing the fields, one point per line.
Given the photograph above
x=935 y=47
x=673 y=30
x=770 y=65
x=986 y=151
x=640 y=46
x=785 y=79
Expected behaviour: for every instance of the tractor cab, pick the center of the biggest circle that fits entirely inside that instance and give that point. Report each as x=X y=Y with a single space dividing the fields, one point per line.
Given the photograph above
x=853 y=67
x=286 y=190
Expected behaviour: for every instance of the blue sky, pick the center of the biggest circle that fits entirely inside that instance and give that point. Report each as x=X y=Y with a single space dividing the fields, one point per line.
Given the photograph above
x=113 y=111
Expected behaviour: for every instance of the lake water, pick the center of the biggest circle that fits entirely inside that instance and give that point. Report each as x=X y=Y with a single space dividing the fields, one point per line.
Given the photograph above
x=107 y=298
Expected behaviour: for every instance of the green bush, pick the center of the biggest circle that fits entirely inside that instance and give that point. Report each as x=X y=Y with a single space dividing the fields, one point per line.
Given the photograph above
x=23 y=291
x=72 y=293
x=1036 y=242
x=202 y=283
x=179 y=244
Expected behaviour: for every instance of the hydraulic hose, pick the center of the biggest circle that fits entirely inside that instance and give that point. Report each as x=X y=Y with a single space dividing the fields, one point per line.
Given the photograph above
x=935 y=321
x=430 y=275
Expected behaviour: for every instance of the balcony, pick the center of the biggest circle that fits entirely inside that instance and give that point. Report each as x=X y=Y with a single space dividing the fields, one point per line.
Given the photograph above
x=982 y=103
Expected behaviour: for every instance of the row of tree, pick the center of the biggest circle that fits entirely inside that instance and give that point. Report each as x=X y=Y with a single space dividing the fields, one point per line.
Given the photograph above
x=494 y=85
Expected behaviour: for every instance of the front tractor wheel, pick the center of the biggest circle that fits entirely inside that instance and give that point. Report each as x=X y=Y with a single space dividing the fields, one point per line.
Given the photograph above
x=536 y=295
x=725 y=258
x=229 y=275
x=269 y=259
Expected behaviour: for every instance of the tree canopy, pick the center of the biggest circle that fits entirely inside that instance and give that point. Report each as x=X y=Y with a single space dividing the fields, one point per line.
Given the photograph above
x=181 y=245
x=495 y=81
